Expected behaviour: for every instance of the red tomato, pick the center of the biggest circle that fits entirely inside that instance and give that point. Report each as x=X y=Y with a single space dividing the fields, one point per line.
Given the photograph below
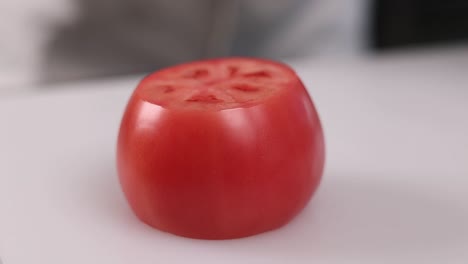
x=220 y=149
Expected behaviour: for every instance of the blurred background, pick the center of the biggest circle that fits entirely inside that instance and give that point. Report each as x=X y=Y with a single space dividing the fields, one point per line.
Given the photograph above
x=51 y=41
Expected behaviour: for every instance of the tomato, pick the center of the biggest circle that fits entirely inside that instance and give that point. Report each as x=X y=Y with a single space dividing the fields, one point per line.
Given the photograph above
x=220 y=149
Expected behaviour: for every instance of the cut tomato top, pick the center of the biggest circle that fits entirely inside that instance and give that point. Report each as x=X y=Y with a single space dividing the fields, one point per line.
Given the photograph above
x=216 y=84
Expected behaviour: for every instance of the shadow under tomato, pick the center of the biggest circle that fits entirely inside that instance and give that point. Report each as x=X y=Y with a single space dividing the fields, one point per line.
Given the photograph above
x=349 y=218
x=352 y=219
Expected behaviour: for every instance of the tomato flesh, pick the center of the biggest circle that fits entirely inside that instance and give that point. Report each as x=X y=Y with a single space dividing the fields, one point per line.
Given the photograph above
x=220 y=149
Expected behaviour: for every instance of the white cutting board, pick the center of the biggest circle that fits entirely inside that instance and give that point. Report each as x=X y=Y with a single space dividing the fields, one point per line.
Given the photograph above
x=395 y=188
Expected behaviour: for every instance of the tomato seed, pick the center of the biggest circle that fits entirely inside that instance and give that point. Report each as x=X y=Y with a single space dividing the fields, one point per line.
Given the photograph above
x=233 y=71
x=168 y=89
x=262 y=74
x=245 y=87
x=204 y=98
x=198 y=74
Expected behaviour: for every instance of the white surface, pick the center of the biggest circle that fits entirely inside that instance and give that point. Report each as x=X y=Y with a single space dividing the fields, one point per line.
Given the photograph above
x=395 y=189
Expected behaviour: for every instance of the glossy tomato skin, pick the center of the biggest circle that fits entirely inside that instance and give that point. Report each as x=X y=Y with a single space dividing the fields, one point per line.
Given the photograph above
x=221 y=174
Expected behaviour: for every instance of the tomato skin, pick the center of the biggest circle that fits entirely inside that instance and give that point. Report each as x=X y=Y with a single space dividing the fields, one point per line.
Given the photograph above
x=221 y=174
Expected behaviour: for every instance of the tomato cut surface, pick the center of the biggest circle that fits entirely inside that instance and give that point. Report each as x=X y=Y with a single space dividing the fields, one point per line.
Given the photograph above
x=219 y=149
x=217 y=85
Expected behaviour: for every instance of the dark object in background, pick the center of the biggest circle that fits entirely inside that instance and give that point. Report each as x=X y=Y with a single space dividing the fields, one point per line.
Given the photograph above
x=400 y=23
